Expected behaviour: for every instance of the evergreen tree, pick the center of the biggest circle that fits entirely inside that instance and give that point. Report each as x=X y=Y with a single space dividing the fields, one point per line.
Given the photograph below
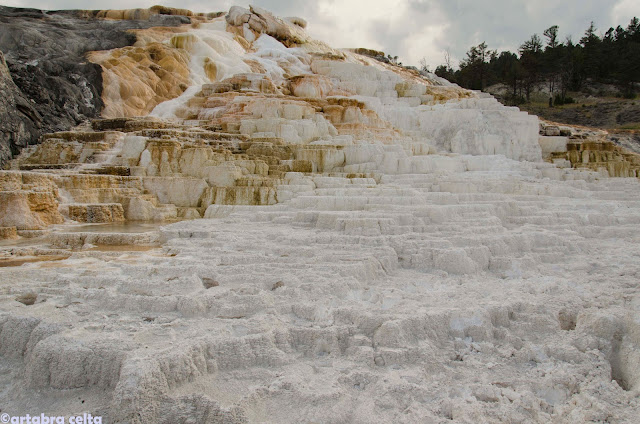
x=530 y=60
x=474 y=69
x=552 y=59
x=592 y=57
x=564 y=66
x=552 y=36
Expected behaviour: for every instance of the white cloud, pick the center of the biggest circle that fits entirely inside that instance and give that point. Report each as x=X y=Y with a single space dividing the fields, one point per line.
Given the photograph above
x=623 y=11
x=343 y=23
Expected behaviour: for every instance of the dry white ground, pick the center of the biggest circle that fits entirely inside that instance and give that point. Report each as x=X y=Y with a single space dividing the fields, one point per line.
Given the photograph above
x=481 y=296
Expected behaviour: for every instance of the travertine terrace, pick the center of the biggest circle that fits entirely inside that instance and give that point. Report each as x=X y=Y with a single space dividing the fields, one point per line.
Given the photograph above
x=357 y=243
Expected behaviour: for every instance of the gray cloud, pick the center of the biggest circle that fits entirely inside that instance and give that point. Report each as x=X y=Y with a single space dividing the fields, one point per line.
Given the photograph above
x=412 y=29
x=507 y=23
x=502 y=24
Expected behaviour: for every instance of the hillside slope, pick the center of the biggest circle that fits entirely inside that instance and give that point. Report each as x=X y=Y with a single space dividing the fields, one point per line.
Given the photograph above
x=358 y=243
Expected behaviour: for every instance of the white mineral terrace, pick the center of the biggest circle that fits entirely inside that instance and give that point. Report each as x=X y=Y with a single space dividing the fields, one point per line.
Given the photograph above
x=371 y=246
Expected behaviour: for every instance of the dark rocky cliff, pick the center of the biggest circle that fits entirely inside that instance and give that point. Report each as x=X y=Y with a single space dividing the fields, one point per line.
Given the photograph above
x=47 y=84
x=19 y=121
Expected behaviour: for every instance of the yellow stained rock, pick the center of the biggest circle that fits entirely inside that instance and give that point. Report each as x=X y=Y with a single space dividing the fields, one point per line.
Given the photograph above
x=97 y=213
x=8 y=233
x=136 y=79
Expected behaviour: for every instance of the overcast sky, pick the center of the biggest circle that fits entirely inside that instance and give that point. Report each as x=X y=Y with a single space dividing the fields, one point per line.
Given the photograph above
x=411 y=29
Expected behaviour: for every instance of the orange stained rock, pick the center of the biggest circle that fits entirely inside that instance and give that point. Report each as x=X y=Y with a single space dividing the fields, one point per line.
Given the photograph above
x=242 y=41
x=8 y=233
x=136 y=79
x=28 y=201
x=255 y=66
x=97 y=213
x=315 y=86
x=603 y=156
x=211 y=69
x=156 y=34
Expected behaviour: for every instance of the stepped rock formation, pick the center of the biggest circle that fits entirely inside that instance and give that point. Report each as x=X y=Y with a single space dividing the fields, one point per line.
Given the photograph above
x=584 y=148
x=358 y=242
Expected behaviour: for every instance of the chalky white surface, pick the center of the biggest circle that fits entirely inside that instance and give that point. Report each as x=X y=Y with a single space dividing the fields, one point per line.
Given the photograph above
x=489 y=295
x=441 y=287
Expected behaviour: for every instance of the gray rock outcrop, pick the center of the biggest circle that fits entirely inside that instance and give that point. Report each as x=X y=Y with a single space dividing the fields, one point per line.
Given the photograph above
x=18 y=118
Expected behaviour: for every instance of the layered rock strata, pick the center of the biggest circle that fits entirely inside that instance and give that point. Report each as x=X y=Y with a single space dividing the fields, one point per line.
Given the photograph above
x=582 y=148
x=256 y=111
